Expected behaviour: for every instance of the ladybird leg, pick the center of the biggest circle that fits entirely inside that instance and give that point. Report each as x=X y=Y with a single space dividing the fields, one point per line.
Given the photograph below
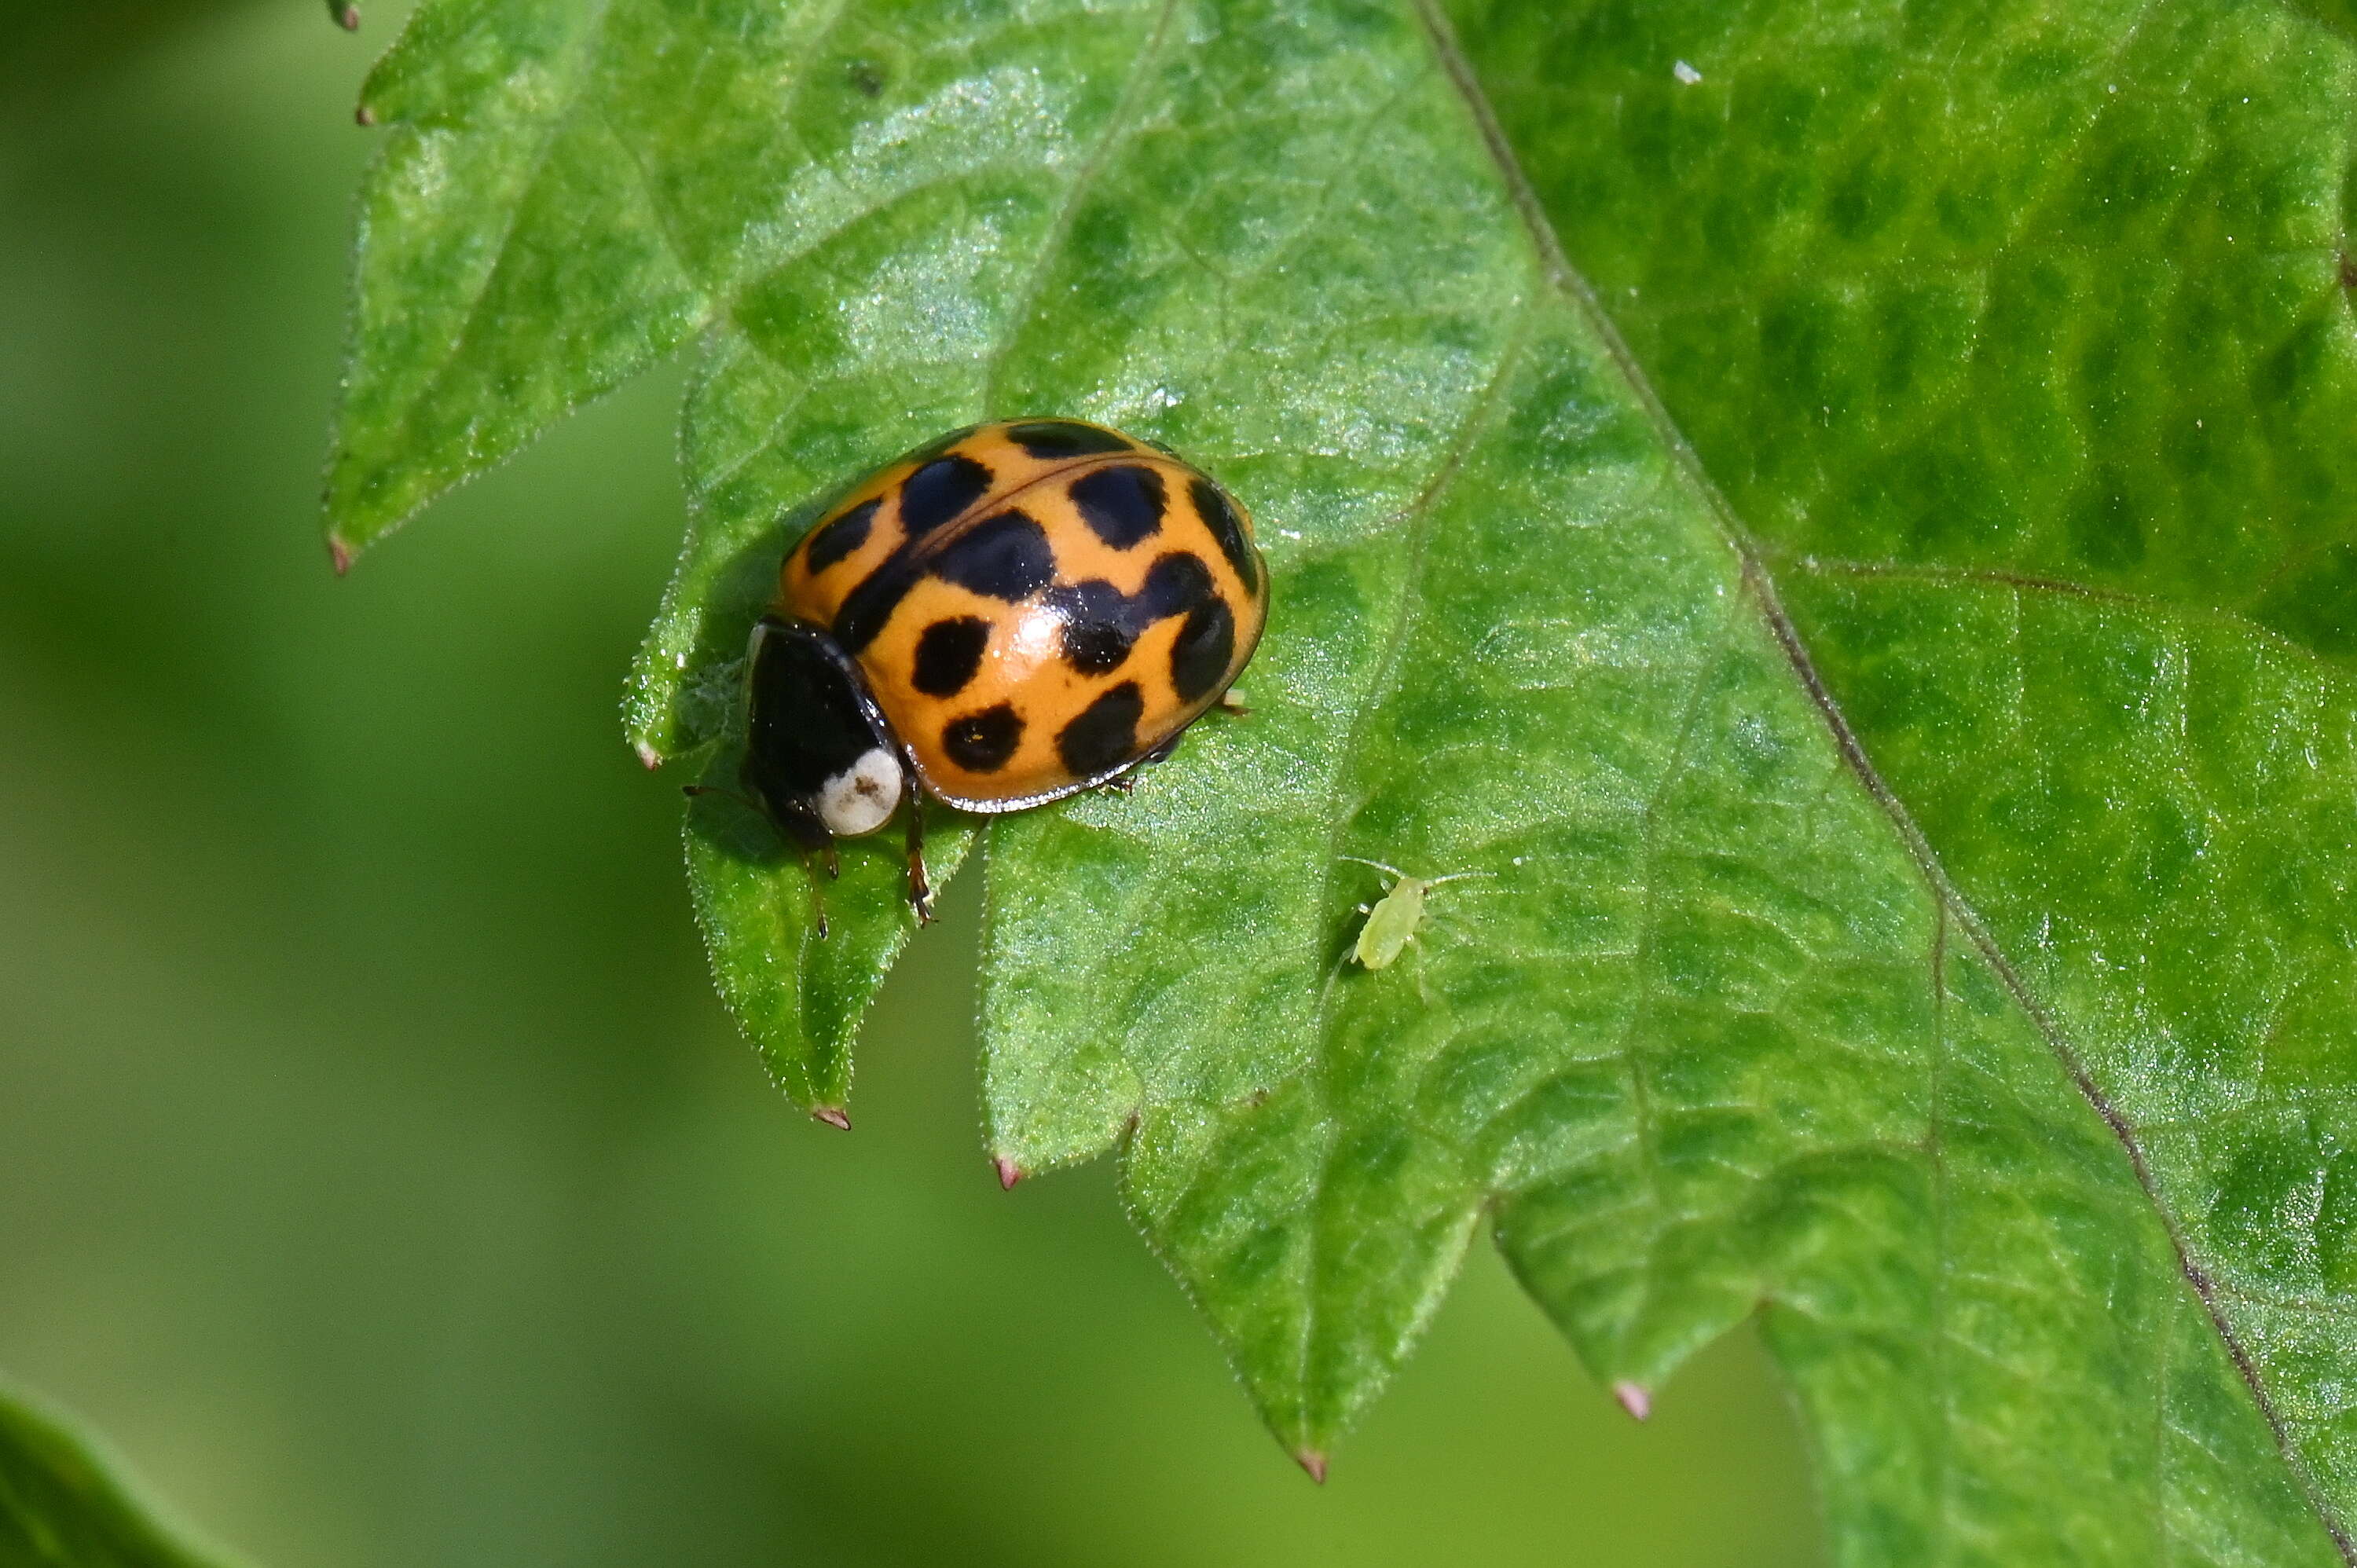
x=817 y=892
x=1122 y=783
x=1231 y=704
x=921 y=888
x=834 y=862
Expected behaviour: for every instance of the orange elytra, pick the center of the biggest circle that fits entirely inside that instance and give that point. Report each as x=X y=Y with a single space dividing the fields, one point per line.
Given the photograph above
x=1000 y=618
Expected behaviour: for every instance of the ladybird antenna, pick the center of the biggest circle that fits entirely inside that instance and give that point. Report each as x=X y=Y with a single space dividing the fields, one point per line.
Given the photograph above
x=693 y=790
x=1378 y=865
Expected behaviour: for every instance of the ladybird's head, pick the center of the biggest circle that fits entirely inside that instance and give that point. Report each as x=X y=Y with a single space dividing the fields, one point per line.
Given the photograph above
x=818 y=756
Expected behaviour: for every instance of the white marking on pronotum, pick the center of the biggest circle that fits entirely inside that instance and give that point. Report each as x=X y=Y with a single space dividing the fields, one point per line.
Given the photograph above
x=857 y=799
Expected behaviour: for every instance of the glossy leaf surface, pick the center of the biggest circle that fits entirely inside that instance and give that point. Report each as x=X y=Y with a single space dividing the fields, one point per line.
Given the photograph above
x=1910 y=767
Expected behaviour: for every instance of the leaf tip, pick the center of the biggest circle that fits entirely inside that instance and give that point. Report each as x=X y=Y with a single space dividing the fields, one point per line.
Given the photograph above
x=1633 y=1399
x=364 y=117
x=347 y=16
x=1009 y=1173
x=832 y=1115
x=340 y=554
x=646 y=754
x=1314 y=1462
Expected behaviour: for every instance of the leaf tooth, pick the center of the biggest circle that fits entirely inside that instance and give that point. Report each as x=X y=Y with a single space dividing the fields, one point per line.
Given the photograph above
x=832 y=1115
x=1009 y=1173
x=1311 y=1460
x=1634 y=1399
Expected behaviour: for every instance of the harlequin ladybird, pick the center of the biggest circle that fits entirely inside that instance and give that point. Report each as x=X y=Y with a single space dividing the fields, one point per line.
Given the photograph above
x=1392 y=924
x=1013 y=613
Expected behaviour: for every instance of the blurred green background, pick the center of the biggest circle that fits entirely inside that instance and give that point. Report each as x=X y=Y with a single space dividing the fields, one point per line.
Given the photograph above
x=377 y=1169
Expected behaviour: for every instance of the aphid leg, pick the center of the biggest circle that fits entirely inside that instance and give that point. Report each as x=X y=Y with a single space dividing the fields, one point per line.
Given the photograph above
x=817 y=893
x=921 y=888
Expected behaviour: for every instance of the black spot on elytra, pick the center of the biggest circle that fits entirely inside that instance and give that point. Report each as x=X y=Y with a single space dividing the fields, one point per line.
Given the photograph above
x=1205 y=643
x=1003 y=557
x=1064 y=438
x=838 y=539
x=1174 y=584
x=939 y=491
x=949 y=653
x=1122 y=504
x=1101 y=623
x=982 y=742
x=868 y=606
x=1211 y=505
x=870 y=603
x=1105 y=733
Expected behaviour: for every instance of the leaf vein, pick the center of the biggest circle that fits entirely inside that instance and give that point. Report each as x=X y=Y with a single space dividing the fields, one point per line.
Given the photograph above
x=1576 y=287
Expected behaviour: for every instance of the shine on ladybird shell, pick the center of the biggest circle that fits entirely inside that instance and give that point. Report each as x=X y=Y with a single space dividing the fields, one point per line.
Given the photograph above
x=1036 y=604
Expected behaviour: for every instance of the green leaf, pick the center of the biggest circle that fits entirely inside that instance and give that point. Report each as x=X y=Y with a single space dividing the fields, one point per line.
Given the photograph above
x=1836 y=510
x=62 y=1503
x=2021 y=342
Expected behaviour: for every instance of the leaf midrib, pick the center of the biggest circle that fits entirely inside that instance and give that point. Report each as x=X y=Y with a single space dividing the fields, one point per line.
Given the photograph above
x=1576 y=287
x=2022 y=584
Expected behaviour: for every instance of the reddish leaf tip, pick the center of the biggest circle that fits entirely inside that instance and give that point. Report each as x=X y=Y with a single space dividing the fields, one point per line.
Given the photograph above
x=364 y=116
x=347 y=17
x=648 y=755
x=341 y=555
x=1314 y=1462
x=1634 y=1399
x=1009 y=1173
x=832 y=1116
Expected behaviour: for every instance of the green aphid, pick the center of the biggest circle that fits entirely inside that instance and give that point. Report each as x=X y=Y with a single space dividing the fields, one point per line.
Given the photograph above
x=1393 y=920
